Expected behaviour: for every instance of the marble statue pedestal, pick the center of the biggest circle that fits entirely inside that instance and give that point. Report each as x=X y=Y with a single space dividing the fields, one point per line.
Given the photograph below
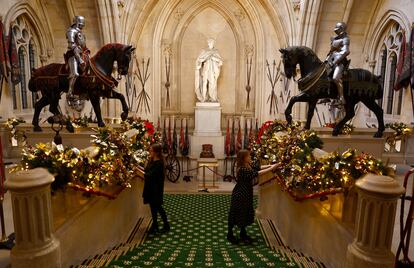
x=207 y=129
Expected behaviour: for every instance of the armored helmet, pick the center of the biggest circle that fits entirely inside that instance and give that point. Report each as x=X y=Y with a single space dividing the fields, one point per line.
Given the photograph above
x=79 y=21
x=340 y=28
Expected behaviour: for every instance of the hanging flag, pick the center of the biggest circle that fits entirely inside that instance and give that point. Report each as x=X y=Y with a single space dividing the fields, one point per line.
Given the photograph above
x=174 y=143
x=186 y=148
x=169 y=140
x=182 y=139
x=3 y=62
x=164 y=138
x=232 y=141
x=3 y=65
x=251 y=132
x=256 y=132
x=246 y=136
x=2 y=172
x=239 y=139
x=13 y=58
x=158 y=125
x=401 y=62
x=227 y=143
x=412 y=61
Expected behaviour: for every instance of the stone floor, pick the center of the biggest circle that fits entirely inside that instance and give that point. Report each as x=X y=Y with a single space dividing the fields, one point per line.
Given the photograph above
x=195 y=186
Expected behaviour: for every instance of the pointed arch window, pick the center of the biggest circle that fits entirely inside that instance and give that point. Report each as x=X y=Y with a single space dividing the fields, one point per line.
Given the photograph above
x=388 y=58
x=23 y=99
x=32 y=65
x=383 y=67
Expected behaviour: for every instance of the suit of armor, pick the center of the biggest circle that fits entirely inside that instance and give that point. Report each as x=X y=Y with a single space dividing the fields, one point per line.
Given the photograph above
x=337 y=57
x=76 y=49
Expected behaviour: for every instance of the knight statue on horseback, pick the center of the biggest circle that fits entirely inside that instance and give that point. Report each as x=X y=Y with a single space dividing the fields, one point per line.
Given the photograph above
x=77 y=54
x=337 y=60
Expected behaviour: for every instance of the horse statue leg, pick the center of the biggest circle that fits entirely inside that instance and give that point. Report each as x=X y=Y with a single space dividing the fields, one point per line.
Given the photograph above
x=349 y=114
x=121 y=98
x=302 y=97
x=42 y=102
x=379 y=113
x=97 y=108
x=311 y=111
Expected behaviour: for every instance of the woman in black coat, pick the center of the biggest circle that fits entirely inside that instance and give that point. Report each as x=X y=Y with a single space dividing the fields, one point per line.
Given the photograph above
x=241 y=212
x=154 y=187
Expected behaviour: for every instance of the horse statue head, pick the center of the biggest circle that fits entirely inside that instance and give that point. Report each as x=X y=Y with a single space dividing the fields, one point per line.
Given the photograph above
x=110 y=53
x=304 y=56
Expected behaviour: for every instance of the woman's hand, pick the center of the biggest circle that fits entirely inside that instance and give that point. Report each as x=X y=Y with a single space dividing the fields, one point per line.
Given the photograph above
x=276 y=167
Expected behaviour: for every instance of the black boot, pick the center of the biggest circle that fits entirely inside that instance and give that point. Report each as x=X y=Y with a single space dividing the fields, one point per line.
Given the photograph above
x=166 y=227
x=244 y=237
x=230 y=236
x=153 y=229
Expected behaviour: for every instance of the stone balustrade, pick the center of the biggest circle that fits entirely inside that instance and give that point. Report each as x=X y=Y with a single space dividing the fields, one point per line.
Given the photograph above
x=36 y=245
x=96 y=226
x=374 y=225
x=352 y=230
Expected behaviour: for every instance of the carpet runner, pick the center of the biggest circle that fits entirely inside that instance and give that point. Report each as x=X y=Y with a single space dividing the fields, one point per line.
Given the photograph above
x=198 y=239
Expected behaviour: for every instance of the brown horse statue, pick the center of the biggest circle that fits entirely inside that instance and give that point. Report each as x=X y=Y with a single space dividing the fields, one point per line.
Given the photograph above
x=359 y=86
x=94 y=82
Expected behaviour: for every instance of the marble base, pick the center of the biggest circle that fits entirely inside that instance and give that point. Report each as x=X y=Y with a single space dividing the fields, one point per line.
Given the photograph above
x=362 y=143
x=207 y=119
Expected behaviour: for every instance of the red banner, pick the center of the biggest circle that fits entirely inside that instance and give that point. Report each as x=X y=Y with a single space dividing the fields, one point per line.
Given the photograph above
x=13 y=58
x=227 y=144
x=186 y=149
x=411 y=60
x=401 y=61
x=3 y=59
x=182 y=141
x=169 y=140
x=239 y=139
x=2 y=172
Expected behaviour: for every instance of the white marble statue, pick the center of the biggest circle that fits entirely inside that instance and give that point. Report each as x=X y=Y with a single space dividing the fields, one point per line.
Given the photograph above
x=207 y=72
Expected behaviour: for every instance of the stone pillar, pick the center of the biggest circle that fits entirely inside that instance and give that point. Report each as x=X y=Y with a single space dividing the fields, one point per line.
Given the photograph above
x=374 y=224
x=36 y=246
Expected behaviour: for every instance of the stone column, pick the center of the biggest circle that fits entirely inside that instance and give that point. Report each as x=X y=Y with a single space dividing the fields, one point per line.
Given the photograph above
x=374 y=224
x=36 y=246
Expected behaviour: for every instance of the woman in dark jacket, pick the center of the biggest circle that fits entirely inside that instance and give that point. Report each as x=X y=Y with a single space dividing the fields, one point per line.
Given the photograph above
x=154 y=187
x=241 y=212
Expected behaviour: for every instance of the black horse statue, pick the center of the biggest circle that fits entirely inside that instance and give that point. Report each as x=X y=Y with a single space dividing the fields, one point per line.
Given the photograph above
x=94 y=82
x=359 y=86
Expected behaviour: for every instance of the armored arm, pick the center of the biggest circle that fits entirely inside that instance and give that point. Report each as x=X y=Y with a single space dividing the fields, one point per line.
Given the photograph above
x=72 y=45
x=344 y=51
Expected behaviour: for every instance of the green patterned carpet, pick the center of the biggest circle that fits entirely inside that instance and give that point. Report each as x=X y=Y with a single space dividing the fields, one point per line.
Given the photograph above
x=198 y=239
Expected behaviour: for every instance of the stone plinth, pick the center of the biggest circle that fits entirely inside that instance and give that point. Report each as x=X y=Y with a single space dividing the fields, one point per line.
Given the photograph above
x=207 y=129
x=363 y=143
x=207 y=119
x=36 y=245
x=374 y=223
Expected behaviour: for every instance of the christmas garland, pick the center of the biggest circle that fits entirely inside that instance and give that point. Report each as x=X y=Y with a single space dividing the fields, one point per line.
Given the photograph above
x=346 y=129
x=112 y=160
x=14 y=134
x=81 y=122
x=304 y=170
x=401 y=131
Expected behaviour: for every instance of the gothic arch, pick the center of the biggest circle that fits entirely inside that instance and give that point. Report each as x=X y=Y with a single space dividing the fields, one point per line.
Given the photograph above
x=177 y=34
x=40 y=28
x=378 y=31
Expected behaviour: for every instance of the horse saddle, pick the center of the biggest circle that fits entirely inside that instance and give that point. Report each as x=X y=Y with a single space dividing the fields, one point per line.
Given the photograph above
x=82 y=68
